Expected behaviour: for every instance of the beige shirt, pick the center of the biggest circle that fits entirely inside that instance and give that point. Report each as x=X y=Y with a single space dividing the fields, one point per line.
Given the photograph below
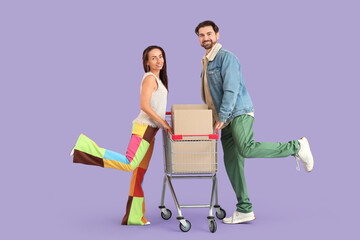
x=205 y=90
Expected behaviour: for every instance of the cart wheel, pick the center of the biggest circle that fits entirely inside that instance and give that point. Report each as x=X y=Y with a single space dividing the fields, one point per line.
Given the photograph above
x=167 y=215
x=212 y=226
x=221 y=214
x=185 y=228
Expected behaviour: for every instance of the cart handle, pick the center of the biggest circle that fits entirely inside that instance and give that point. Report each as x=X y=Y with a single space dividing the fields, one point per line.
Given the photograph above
x=180 y=137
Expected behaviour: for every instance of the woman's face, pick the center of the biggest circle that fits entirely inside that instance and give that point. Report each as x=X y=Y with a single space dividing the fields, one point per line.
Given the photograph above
x=155 y=60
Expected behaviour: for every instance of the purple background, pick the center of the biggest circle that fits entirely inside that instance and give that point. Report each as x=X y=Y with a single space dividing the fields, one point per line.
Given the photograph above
x=71 y=67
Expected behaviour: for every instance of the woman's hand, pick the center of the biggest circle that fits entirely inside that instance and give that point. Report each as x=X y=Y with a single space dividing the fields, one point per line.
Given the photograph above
x=166 y=126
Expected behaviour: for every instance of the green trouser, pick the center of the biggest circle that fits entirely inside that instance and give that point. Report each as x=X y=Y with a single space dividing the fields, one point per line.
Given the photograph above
x=238 y=143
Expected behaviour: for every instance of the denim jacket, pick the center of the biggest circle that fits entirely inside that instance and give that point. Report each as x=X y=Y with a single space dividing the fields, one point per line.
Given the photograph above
x=227 y=87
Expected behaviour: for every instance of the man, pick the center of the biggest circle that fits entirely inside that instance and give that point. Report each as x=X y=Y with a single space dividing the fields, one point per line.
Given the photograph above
x=224 y=91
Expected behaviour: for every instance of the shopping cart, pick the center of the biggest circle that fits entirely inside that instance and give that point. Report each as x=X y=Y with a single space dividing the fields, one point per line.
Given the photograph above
x=190 y=156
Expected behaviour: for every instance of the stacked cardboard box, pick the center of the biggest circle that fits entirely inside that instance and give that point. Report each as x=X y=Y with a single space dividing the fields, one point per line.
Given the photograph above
x=195 y=119
x=193 y=154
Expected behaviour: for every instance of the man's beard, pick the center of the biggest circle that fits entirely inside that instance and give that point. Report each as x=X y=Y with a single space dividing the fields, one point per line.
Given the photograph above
x=209 y=46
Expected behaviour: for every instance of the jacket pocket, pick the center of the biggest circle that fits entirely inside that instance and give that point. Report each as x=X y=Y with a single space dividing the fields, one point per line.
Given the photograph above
x=214 y=78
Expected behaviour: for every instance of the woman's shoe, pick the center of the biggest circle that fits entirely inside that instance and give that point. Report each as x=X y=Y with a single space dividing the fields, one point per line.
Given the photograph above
x=72 y=151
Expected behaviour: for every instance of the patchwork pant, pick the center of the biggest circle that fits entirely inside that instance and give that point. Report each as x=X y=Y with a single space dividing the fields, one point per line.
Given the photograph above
x=137 y=159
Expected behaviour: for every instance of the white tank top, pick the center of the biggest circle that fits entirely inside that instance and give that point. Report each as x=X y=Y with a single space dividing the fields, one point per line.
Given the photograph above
x=158 y=103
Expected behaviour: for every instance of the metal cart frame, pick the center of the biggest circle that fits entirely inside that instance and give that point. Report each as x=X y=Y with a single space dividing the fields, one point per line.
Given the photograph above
x=191 y=170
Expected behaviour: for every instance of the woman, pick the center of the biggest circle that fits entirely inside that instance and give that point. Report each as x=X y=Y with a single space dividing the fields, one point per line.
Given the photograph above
x=153 y=99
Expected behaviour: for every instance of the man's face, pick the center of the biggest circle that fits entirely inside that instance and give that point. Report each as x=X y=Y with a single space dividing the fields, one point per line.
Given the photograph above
x=207 y=37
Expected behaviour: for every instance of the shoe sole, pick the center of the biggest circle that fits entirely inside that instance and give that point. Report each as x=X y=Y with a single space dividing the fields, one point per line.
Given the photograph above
x=307 y=142
x=244 y=221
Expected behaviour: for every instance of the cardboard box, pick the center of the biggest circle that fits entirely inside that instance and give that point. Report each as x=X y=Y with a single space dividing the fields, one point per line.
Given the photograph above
x=192 y=119
x=189 y=107
x=191 y=155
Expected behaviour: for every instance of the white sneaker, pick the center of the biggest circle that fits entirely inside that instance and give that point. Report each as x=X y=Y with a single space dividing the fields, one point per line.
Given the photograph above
x=305 y=155
x=72 y=151
x=147 y=223
x=239 y=217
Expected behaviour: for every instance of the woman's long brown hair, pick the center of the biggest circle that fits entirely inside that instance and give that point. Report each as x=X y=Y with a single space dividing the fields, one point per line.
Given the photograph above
x=163 y=72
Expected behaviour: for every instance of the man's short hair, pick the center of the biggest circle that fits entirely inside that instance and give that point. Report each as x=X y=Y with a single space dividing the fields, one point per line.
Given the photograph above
x=205 y=24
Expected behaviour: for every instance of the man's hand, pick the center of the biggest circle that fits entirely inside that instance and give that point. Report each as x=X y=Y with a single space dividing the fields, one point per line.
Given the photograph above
x=218 y=126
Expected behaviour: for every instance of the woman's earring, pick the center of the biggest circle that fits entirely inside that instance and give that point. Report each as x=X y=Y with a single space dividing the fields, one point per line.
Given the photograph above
x=148 y=68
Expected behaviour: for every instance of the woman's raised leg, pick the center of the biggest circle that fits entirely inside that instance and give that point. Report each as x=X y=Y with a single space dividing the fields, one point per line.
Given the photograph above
x=88 y=152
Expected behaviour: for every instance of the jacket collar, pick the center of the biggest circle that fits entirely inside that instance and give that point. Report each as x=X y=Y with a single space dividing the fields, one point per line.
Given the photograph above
x=212 y=54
